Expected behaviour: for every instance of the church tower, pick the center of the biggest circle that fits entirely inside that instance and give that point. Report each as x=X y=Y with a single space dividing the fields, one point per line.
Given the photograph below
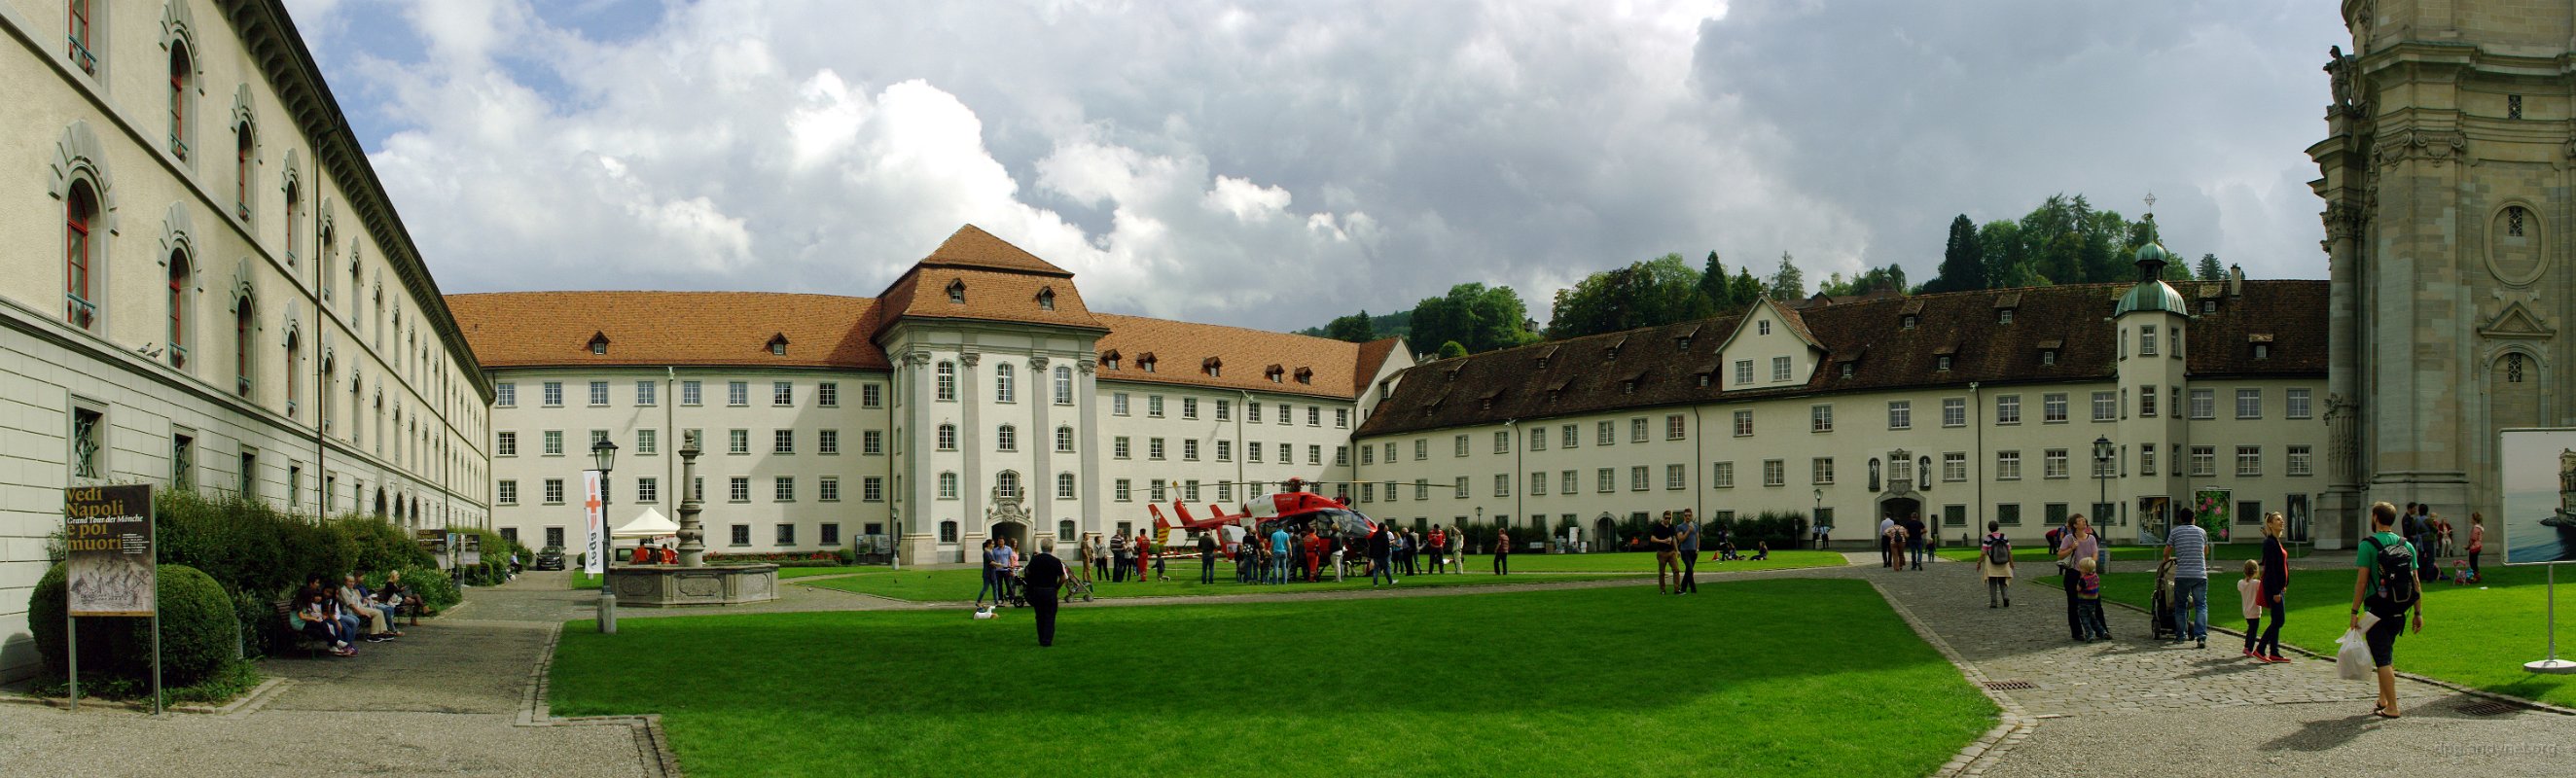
x=2447 y=167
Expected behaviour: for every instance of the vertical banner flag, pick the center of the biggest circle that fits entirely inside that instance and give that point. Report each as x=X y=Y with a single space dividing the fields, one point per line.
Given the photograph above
x=595 y=562
x=108 y=530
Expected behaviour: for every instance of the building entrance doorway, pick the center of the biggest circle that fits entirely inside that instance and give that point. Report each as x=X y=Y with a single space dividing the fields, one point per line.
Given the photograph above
x=1015 y=532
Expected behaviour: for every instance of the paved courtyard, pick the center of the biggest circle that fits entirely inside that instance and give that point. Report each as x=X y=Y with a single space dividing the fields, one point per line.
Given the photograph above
x=459 y=697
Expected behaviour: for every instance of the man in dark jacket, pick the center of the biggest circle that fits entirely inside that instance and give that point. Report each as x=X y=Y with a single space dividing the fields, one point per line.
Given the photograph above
x=1207 y=557
x=1044 y=574
x=1381 y=561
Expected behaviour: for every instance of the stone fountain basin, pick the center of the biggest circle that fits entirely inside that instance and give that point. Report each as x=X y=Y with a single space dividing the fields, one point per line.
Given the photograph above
x=671 y=586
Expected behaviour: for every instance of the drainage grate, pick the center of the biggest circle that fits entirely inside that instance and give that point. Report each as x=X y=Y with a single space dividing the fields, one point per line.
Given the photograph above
x=2489 y=708
x=2006 y=686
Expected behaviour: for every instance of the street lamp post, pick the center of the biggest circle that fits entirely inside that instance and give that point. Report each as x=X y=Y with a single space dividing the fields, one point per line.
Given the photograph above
x=1815 y=520
x=2102 y=474
x=603 y=453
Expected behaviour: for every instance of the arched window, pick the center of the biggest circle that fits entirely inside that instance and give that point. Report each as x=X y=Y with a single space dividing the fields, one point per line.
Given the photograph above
x=1007 y=438
x=80 y=210
x=181 y=72
x=2513 y=368
x=1002 y=379
x=293 y=201
x=1064 y=530
x=948 y=381
x=241 y=169
x=948 y=486
x=1064 y=439
x=948 y=532
x=1007 y=484
x=1064 y=486
x=1063 y=385
x=179 y=340
x=948 y=437
x=294 y=353
x=245 y=347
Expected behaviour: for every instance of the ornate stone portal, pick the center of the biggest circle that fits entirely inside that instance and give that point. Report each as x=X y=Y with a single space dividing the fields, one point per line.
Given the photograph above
x=692 y=581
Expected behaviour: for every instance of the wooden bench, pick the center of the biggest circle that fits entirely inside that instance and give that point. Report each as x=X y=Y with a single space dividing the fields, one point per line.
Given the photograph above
x=284 y=635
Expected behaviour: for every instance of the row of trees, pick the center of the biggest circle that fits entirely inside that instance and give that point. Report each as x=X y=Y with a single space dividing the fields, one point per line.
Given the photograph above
x=2064 y=240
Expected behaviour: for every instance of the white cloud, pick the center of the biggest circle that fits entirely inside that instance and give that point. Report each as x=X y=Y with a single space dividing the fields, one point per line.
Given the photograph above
x=1237 y=163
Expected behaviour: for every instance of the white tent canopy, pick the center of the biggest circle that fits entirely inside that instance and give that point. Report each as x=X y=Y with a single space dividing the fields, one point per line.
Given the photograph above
x=651 y=524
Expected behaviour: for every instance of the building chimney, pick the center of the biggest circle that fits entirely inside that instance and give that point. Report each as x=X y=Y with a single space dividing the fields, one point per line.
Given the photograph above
x=2235 y=281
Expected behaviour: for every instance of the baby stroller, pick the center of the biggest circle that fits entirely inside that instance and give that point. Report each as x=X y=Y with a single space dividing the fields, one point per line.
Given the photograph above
x=1075 y=585
x=1015 y=590
x=2161 y=610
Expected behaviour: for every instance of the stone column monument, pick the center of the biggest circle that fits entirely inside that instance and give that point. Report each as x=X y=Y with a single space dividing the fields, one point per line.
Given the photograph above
x=693 y=547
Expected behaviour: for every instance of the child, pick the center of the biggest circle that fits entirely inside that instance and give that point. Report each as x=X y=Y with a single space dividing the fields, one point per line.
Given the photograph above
x=1761 y=550
x=2460 y=573
x=2088 y=593
x=2250 y=591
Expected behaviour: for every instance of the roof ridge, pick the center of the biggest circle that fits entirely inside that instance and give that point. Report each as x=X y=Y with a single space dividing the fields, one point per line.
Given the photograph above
x=1238 y=328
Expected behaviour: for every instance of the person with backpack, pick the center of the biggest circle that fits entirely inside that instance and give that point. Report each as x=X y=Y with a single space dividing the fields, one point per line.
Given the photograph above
x=1995 y=562
x=2386 y=585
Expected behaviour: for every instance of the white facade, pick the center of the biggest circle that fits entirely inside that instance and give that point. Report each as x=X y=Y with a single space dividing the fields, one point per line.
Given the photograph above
x=215 y=297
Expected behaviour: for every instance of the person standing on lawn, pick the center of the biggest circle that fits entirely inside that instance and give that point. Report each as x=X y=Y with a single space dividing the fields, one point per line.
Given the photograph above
x=1144 y=548
x=1439 y=550
x=2477 y=545
x=1502 y=551
x=1686 y=549
x=2187 y=546
x=1886 y=545
x=989 y=560
x=2425 y=539
x=1279 y=545
x=1044 y=575
x=1381 y=546
x=1207 y=557
x=2076 y=543
x=2385 y=583
x=1994 y=563
x=2276 y=586
x=1118 y=558
x=1660 y=538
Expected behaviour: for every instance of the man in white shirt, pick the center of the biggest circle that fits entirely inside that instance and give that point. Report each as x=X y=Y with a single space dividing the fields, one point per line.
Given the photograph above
x=1886 y=550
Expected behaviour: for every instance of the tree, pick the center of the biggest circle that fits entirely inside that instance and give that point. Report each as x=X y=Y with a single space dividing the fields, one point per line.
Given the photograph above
x=1963 y=263
x=2210 y=270
x=1787 y=283
x=1451 y=349
x=1714 y=285
x=1354 y=328
x=1645 y=294
x=1745 y=289
x=1480 y=318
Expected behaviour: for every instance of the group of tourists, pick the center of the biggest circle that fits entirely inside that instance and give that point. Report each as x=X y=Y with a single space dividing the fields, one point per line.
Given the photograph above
x=336 y=615
x=1122 y=556
x=1900 y=541
x=1675 y=539
x=646 y=554
x=2432 y=538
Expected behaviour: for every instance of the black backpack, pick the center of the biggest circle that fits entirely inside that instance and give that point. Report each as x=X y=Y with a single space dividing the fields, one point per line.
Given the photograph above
x=2396 y=563
x=1999 y=552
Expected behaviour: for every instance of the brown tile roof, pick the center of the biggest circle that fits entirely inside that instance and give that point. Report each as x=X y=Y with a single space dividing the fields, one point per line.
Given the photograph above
x=1579 y=376
x=973 y=248
x=1373 y=356
x=553 y=329
x=922 y=293
x=1182 y=350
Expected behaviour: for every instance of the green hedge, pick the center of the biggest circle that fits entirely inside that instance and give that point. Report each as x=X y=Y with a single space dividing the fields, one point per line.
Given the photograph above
x=258 y=554
x=434 y=586
x=198 y=632
x=1781 y=530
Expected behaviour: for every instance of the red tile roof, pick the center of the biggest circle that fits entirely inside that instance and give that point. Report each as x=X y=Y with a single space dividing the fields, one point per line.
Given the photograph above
x=1182 y=352
x=553 y=329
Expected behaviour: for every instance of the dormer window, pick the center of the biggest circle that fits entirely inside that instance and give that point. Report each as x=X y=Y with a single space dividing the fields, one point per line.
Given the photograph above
x=957 y=291
x=1109 y=359
x=1214 y=367
x=2262 y=351
x=1046 y=299
x=778 y=345
x=1941 y=362
x=1274 y=371
x=2048 y=356
x=1906 y=322
x=1847 y=370
x=1305 y=375
x=2004 y=316
x=1703 y=380
x=1145 y=361
x=599 y=343
x=2208 y=307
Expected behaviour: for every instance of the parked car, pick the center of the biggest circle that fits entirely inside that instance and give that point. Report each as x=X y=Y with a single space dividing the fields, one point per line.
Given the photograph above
x=550 y=558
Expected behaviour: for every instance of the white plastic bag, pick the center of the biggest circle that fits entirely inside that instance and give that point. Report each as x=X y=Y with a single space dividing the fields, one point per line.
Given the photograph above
x=2352 y=662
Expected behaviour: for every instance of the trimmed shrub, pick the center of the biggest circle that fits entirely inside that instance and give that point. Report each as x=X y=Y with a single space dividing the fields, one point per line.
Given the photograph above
x=1781 y=530
x=198 y=631
x=433 y=586
x=379 y=545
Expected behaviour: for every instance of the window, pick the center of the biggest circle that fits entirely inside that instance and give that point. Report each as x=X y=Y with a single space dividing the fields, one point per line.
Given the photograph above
x=2249 y=403
x=1314 y=454
x=741 y=534
x=180 y=290
x=1189 y=449
x=242 y=161
x=648 y=489
x=1502 y=441
x=553 y=440
x=644 y=393
x=832 y=534
x=2204 y=461
x=1821 y=471
x=1368 y=454
x=2147 y=459
x=1537 y=484
x=738 y=442
x=1502 y=484
x=1568 y=483
x=1064 y=486
x=1118 y=448
x=555 y=536
x=1569 y=439
x=1341 y=418
x=871 y=396
x=1743 y=372
x=2146 y=402
x=1252 y=452
x=598 y=393
x=554 y=492
x=2007 y=465
x=1154 y=408
x=1458 y=446
x=1743 y=424
x=1762 y=327
x=2103 y=466
x=1605 y=480
x=1674 y=428
x=80 y=51
x=2298 y=403
x=1189 y=407
x=2105 y=408
x=691 y=393
x=1954 y=466
x=2008 y=409
x=1941 y=363
x=1123 y=490
x=1118 y=406
x=1251 y=412
x=182 y=73
x=2204 y=403
x=1064 y=439
x=1779 y=368
x=2249 y=461
x=1637 y=478
x=948 y=532
x=826 y=441
x=2053 y=463
x=2053 y=407
x=1154 y=449
x=737 y=393
x=1157 y=489
x=1900 y=414
x=1005 y=378
x=1422 y=489
x=648 y=442
x=1421 y=449
x=1820 y=418
x=1954 y=412
x=871 y=488
x=508 y=491
x=827 y=394
x=784 y=489
x=1063 y=385
x=1314 y=416
x=1775 y=472
x=505 y=395
x=948 y=486
x=1006 y=438
x=947 y=437
x=2301 y=461
x=947 y=382
x=2147 y=341
x=1676 y=476
x=505 y=444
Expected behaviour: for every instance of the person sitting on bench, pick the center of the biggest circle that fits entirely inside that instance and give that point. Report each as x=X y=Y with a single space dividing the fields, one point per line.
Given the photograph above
x=353 y=601
x=399 y=599
x=313 y=617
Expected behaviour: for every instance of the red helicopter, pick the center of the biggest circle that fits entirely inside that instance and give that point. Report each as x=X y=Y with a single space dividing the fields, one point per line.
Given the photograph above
x=1293 y=510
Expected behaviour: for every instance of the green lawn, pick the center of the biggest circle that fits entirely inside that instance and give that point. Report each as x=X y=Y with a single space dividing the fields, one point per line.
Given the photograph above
x=959 y=584
x=1644 y=562
x=582 y=580
x=2472 y=636
x=1759 y=678
x=2037 y=551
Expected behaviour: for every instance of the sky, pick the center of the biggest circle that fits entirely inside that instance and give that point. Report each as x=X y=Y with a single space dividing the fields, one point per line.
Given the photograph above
x=1274 y=165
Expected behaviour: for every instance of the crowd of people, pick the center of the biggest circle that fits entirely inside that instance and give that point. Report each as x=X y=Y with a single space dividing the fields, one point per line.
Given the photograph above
x=341 y=615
